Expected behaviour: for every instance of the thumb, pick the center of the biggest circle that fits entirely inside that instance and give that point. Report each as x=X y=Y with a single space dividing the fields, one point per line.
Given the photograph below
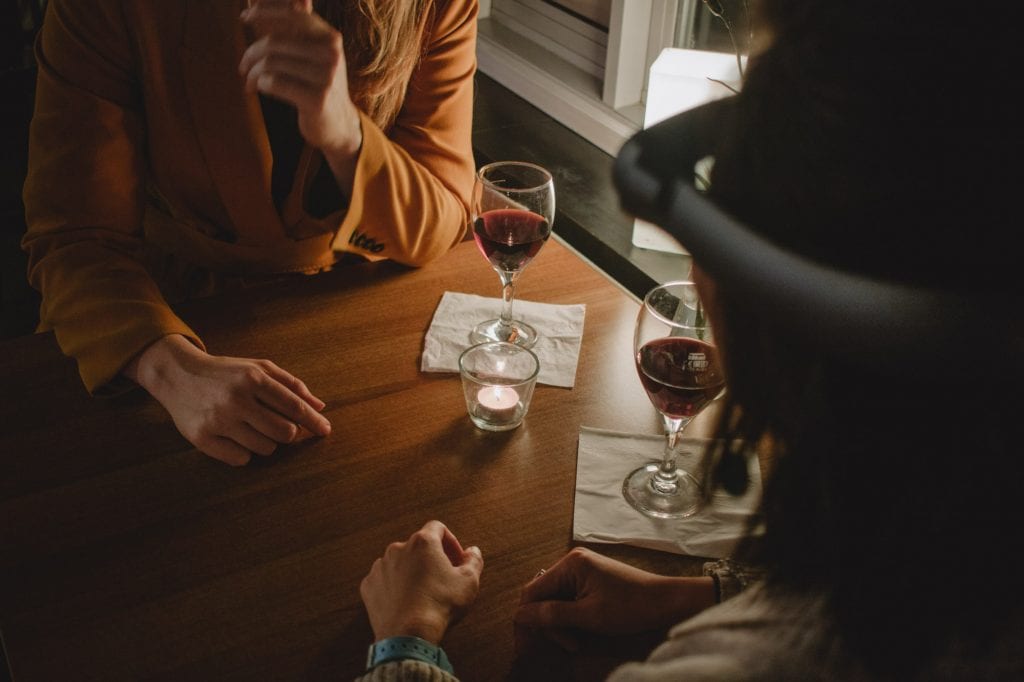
x=473 y=559
x=549 y=614
x=303 y=6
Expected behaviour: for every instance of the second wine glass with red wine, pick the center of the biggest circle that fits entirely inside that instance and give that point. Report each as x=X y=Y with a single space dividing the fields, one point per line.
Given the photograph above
x=513 y=209
x=680 y=369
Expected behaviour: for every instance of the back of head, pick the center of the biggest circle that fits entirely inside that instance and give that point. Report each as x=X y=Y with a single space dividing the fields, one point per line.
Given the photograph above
x=893 y=124
x=879 y=139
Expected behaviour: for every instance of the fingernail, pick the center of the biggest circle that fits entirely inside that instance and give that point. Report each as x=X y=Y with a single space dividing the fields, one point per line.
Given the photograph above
x=475 y=550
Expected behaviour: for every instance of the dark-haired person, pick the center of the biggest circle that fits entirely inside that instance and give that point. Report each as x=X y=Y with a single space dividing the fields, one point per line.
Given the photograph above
x=892 y=517
x=183 y=148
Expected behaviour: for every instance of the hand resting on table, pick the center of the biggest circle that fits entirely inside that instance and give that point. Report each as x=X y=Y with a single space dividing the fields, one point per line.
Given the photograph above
x=227 y=407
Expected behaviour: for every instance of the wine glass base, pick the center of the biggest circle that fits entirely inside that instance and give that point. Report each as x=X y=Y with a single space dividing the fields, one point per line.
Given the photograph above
x=518 y=333
x=642 y=496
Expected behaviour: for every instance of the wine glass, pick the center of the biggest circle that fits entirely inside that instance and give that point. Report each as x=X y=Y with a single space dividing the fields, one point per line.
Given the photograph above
x=513 y=208
x=680 y=369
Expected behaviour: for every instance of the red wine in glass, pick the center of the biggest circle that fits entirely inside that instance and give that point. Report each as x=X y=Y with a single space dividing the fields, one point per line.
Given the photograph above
x=681 y=372
x=681 y=375
x=513 y=209
x=510 y=238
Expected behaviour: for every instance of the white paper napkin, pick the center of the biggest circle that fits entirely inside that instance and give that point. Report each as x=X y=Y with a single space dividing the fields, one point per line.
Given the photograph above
x=560 y=328
x=601 y=514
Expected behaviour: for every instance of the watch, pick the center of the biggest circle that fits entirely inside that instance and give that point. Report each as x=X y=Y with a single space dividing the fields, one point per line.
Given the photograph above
x=403 y=648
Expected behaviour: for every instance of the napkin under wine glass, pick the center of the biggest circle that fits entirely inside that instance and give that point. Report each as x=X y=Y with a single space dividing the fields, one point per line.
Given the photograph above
x=558 y=347
x=601 y=514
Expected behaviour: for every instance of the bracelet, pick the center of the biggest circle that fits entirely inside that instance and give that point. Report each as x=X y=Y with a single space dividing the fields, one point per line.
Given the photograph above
x=717 y=582
x=731 y=577
x=402 y=648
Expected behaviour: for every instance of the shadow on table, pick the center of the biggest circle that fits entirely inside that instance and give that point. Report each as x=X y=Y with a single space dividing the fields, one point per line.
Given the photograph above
x=473 y=446
x=597 y=657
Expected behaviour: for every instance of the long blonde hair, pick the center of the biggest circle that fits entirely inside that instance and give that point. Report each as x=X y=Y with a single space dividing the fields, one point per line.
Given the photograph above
x=383 y=44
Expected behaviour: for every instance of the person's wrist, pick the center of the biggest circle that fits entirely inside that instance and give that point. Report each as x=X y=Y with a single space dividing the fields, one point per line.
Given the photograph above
x=677 y=598
x=153 y=367
x=427 y=629
x=347 y=147
x=684 y=597
x=342 y=151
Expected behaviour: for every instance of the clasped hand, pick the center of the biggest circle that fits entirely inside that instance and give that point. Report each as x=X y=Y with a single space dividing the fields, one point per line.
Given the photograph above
x=420 y=586
x=588 y=592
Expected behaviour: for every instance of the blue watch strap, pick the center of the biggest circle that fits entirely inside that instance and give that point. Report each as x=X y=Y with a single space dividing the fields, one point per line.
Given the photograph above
x=402 y=648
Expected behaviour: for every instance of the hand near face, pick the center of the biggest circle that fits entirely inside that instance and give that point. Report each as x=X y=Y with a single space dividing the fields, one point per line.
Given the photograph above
x=299 y=58
x=421 y=586
x=587 y=591
x=230 y=408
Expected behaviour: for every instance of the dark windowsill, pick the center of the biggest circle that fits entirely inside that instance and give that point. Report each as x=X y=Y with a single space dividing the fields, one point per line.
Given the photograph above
x=588 y=216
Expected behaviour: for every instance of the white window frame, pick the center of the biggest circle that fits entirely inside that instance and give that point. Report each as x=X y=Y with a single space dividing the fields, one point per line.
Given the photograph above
x=589 y=81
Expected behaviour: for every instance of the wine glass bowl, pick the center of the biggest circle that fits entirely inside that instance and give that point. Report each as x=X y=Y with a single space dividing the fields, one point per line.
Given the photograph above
x=680 y=370
x=513 y=209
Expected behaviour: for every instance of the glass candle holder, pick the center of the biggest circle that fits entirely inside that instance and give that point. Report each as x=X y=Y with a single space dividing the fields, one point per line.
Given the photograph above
x=498 y=380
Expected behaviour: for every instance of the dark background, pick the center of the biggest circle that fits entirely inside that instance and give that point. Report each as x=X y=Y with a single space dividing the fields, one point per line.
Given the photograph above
x=19 y=22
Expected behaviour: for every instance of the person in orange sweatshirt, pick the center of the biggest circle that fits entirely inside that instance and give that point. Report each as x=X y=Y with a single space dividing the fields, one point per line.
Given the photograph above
x=179 y=149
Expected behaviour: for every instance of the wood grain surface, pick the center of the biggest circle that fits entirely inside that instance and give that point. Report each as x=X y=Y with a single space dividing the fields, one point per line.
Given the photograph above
x=128 y=555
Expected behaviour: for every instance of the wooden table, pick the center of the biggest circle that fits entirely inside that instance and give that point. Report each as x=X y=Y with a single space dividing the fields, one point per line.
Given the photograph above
x=128 y=555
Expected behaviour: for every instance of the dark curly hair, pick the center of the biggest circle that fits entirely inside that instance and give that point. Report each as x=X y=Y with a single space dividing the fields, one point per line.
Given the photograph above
x=879 y=138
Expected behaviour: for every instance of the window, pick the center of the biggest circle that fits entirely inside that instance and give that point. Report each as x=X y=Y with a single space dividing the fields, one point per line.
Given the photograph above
x=585 y=62
x=597 y=11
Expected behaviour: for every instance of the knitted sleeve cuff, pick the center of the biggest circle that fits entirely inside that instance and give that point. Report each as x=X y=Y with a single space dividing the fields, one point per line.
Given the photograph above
x=406 y=671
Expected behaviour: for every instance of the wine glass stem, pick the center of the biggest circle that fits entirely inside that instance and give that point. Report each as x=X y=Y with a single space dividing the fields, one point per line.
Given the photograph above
x=666 y=478
x=508 y=291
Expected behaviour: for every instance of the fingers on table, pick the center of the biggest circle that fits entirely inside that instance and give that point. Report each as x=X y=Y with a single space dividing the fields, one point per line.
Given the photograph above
x=471 y=557
x=293 y=407
x=474 y=556
x=226 y=450
x=449 y=543
x=271 y=424
x=253 y=440
x=557 y=582
x=294 y=384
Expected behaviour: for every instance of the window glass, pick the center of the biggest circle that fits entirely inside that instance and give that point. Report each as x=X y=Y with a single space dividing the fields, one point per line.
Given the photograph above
x=587 y=62
x=715 y=25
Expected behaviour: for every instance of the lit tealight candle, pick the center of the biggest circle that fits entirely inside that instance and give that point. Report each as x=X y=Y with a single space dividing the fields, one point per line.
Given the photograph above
x=497 y=403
